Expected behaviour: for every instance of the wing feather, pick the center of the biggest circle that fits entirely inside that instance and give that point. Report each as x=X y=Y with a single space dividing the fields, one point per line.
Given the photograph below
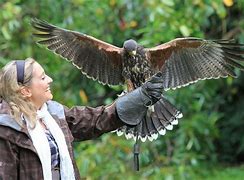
x=96 y=59
x=188 y=77
x=174 y=70
x=178 y=72
x=184 y=61
x=232 y=51
x=183 y=68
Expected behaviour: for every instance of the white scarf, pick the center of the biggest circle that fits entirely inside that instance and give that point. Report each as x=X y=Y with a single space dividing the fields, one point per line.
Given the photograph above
x=41 y=144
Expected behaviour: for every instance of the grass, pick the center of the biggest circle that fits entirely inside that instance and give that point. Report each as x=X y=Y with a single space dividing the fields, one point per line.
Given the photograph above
x=223 y=173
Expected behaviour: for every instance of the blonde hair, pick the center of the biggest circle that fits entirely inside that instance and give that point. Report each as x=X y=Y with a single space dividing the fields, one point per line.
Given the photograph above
x=10 y=92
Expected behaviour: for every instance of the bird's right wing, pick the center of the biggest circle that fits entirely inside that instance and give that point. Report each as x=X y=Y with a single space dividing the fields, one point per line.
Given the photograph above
x=186 y=60
x=95 y=58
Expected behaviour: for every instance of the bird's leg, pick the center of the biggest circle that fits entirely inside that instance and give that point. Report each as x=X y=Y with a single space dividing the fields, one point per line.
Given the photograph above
x=130 y=86
x=151 y=109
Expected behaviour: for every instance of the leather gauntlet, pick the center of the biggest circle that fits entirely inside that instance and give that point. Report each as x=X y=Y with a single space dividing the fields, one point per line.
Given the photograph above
x=132 y=107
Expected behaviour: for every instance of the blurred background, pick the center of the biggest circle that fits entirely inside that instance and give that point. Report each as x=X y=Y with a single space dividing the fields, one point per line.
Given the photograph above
x=208 y=143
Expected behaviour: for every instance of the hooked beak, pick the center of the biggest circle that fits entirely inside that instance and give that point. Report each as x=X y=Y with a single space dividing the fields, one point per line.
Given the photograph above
x=132 y=53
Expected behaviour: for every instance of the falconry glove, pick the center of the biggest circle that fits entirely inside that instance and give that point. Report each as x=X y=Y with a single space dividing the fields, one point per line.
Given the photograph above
x=153 y=89
x=132 y=107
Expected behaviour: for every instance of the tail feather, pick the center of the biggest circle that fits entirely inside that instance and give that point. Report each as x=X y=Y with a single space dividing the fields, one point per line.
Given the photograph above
x=169 y=107
x=162 y=114
x=159 y=126
x=129 y=132
x=153 y=130
x=168 y=111
x=160 y=117
x=143 y=129
x=150 y=126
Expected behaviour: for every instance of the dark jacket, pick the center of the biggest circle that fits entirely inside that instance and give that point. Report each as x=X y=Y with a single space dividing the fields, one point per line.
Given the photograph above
x=18 y=157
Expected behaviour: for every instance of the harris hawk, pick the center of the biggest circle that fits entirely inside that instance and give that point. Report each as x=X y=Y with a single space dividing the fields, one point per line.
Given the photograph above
x=182 y=61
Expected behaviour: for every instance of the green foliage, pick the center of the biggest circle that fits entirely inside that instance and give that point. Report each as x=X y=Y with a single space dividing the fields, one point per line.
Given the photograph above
x=220 y=173
x=231 y=141
x=211 y=129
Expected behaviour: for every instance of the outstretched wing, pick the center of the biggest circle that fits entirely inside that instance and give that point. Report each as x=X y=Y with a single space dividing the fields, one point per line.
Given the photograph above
x=96 y=59
x=186 y=60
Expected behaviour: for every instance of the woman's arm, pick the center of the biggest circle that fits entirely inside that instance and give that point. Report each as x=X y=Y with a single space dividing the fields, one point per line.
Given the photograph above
x=88 y=123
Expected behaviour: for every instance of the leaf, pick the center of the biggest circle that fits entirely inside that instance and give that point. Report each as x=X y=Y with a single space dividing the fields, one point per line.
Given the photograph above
x=184 y=30
x=83 y=96
x=5 y=33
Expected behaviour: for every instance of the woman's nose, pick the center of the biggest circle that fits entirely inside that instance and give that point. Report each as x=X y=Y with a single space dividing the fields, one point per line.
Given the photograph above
x=50 y=79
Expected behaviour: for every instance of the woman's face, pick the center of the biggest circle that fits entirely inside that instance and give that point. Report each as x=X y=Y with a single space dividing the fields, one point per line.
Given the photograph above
x=40 y=86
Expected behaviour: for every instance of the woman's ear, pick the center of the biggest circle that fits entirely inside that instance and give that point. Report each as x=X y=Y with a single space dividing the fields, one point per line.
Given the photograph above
x=26 y=92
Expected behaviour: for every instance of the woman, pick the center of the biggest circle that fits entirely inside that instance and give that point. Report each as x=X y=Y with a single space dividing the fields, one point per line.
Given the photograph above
x=36 y=133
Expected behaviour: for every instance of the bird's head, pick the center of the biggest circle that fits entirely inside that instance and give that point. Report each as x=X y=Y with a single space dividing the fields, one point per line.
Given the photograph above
x=130 y=47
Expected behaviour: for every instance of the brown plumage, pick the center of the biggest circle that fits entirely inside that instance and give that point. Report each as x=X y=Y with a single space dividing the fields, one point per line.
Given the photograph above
x=182 y=61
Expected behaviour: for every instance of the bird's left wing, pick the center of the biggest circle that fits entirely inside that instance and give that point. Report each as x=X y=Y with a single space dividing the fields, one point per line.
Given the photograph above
x=95 y=58
x=186 y=60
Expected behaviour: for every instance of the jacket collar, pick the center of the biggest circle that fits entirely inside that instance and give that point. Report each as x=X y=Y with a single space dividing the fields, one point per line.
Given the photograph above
x=8 y=128
x=7 y=120
x=54 y=108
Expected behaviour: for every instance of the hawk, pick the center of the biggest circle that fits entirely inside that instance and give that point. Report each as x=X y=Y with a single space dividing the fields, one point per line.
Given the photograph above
x=182 y=61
